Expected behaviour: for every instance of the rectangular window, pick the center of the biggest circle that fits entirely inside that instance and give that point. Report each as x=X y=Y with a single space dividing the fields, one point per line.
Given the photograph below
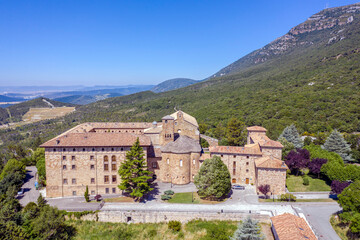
x=247 y=163
x=64 y=167
x=106 y=167
x=91 y=157
x=181 y=163
x=234 y=171
x=234 y=156
x=65 y=181
x=73 y=181
x=194 y=161
x=106 y=179
x=114 y=178
x=92 y=192
x=247 y=170
x=73 y=167
x=74 y=193
x=154 y=165
x=92 y=181
x=222 y=155
x=113 y=190
x=113 y=167
x=107 y=190
x=73 y=158
x=92 y=166
x=64 y=157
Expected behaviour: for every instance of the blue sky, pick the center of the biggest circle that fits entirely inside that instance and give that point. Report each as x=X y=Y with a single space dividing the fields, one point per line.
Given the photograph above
x=136 y=42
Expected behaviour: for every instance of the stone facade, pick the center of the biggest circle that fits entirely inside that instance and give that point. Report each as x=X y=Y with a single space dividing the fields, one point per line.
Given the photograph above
x=91 y=153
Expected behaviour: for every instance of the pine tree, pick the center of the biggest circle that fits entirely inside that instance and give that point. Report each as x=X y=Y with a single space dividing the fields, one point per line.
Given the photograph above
x=248 y=230
x=336 y=143
x=134 y=173
x=291 y=135
x=86 y=194
x=236 y=133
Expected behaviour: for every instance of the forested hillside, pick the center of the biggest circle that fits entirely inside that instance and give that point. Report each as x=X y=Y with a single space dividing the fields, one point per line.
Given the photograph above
x=312 y=80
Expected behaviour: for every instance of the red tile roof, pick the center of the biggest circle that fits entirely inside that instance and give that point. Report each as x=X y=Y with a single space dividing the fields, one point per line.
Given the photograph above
x=264 y=141
x=97 y=140
x=250 y=149
x=291 y=227
x=267 y=162
x=256 y=129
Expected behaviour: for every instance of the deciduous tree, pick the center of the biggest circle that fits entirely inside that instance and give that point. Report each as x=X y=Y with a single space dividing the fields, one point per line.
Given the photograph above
x=297 y=160
x=337 y=187
x=315 y=165
x=264 y=189
x=134 y=173
x=213 y=179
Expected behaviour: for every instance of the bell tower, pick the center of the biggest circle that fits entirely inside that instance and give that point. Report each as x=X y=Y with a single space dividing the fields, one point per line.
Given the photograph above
x=167 y=133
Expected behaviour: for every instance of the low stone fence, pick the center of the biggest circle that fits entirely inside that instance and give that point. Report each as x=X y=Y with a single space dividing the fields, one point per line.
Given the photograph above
x=166 y=216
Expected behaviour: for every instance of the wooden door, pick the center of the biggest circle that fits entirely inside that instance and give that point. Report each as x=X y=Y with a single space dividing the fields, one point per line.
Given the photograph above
x=233 y=180
x=247 y=181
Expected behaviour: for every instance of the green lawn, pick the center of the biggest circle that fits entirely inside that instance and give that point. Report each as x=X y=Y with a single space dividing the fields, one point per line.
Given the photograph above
x=295 y=184
x=187 y=198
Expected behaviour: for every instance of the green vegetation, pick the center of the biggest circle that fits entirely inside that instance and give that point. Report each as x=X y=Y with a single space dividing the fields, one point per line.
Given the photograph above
x=249 y=229
x=287 y=197
x=196 y=229
x=291 y=135
x=213 y=179
x=134 y=173
x=336 y=143
x=174 y=225
x=187 y=197
x=295 y=184
x=87 y=195
x=350 y=202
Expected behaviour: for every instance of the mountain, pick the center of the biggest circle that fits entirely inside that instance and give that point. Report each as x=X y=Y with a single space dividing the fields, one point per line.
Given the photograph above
x=85 y=99
x=10 y=99
x=16 y=111
x=310 y=77
x=172 y=84
x=301 y=37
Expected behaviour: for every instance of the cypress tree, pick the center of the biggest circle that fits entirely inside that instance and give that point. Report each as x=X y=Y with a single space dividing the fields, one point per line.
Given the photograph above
x=86 y=194
x=134 y=173
x=336 y=143
x=249 y=229
x=291 y=134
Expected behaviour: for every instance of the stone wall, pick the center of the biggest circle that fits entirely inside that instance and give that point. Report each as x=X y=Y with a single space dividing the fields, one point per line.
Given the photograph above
x=157 y=217
x=68 y=172
x=244 y=166
x=178 y=168
x=167 y=133
x=212 y=141
x=272 y=152
x=276 y=178
x=182 y=127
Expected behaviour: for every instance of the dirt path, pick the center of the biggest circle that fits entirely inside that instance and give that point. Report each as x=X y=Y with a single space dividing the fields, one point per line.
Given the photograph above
x=49 y=103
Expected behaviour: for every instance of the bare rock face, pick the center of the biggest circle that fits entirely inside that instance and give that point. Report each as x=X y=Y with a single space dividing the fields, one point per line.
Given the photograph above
x=326 y=19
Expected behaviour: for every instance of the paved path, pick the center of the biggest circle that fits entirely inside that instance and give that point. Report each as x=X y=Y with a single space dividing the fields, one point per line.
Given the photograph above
x=30 y=193
x=319 y=218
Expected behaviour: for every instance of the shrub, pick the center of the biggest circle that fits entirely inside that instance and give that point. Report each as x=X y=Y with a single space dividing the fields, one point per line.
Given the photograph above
x=169 y=192
x=98 y=197
x=174 y=225
x=287 y=197
x=165 y=197
x=306 y=180
x=86 y=194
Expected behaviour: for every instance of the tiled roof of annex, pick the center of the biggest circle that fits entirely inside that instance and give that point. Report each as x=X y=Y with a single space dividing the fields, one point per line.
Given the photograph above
x=249 y=149
x=291 y=227
x=92 y=139
x=268 y=162
x=89 y=126
x=264 y=141
x=183 y=144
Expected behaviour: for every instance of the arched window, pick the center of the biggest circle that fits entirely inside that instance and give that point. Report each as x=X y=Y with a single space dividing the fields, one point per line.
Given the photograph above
x=113 y=158
x=106 y=163
x=181 y=163
x=167 y=161
x=106 y=158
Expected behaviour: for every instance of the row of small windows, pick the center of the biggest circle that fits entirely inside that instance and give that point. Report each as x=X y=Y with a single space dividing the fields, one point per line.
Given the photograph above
x=234 y=156
x=84 y=149
x=92 y=180
x=107 y=191
x=92 y=167
x=106 y=158
x=180 y=162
